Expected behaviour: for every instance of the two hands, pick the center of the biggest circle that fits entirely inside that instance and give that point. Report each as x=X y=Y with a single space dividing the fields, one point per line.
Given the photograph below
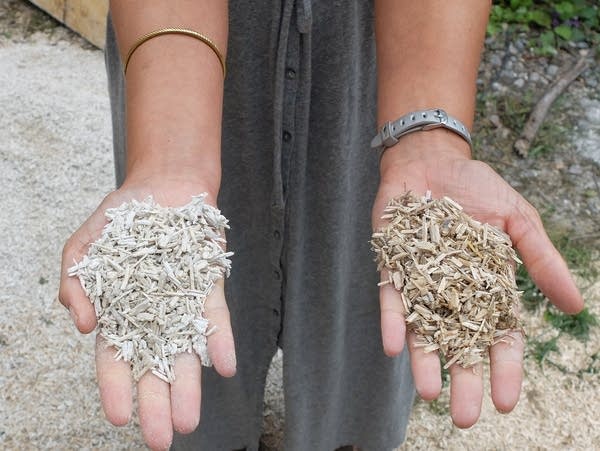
x=420 y=162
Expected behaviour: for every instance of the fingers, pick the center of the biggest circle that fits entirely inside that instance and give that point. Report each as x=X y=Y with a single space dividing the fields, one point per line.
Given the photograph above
x=425 y=366
x=221 y=347
x=114 y=382
x=426 y=370
x=160 y=408
x=543 y=262
x=506 y=368
x=466 y=394
x=185 y=393
x=154 y=405
x=70 y=292
x=393 y=327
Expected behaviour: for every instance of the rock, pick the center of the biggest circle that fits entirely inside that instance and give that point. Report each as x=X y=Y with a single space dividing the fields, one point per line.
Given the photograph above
x=495 y=60
x=520 y=44
x=552 y=70
x=575 y=169
x=495 y=120
x=519 y=83
x=497 y=86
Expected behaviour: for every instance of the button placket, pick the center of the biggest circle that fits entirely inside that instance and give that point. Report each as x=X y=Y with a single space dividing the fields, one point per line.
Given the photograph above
x=290 y=73
x=287 y=79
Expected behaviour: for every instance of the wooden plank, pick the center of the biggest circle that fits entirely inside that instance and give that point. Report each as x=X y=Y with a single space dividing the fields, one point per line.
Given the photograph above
x=86 y=17
x=56 y=8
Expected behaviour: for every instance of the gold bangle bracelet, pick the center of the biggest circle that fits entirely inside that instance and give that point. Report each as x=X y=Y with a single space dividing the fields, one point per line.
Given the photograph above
x=183 y=31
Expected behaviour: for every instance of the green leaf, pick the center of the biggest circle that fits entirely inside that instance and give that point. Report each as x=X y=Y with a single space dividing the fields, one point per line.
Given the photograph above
x=493 y=29
x=540 y=18
x=547 y=39
x=589 y=13
x=522 y=14
x=516 y=4
x=564 y=32
x=578 y=35
x=565 y=10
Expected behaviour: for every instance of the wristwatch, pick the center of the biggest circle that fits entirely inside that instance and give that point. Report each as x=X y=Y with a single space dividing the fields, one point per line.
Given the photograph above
x=416 y=121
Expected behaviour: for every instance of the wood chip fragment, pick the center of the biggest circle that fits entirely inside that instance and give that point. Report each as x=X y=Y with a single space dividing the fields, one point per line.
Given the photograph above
x=148 y=276
x=455 y=275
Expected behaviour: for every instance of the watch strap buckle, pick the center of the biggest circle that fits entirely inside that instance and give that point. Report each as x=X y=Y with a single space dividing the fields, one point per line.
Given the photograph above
x=385 y=138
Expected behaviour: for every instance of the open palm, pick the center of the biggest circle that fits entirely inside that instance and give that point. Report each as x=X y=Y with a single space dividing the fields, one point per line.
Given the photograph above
x=162 y=407
x=488 y=198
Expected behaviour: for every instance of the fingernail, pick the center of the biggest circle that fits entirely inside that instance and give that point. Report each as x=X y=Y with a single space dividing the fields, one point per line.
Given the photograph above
x=74 y=316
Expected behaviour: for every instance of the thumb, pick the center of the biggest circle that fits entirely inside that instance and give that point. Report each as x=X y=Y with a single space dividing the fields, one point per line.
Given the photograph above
x=71 y=294
x=544 y=263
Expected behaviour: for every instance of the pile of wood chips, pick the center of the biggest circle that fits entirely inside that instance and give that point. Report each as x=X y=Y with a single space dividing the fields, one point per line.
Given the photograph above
x=148 y=277
x=456 y=276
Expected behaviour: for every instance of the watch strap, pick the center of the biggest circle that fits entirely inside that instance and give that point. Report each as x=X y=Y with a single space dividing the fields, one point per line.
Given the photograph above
x=421 y=120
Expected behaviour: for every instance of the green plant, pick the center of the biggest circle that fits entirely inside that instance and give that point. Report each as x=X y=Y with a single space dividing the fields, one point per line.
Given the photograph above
x=579 y=255
x=532 y=298
x=593 y=367
x=555 y=23
x=540 y=350
x=578 y=325
x=514 y=109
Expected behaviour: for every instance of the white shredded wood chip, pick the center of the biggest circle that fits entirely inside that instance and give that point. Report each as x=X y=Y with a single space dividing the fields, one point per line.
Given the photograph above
x=455 y=275
x=148 y=276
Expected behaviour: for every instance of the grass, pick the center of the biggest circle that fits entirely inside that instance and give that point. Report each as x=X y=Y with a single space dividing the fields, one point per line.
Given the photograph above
x=581 y=259
x=539 y=350
x=549 y=137
x=578 y=326
x=579 y=255
x=514 y=110
x=593 y=367
x=532 y=298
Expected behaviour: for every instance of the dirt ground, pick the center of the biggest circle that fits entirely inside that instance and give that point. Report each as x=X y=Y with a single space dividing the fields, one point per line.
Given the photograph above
x=56 y=165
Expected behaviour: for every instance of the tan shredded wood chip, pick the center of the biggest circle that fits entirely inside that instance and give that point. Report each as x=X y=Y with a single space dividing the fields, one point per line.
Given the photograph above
x=455 y=275
x=148 y=277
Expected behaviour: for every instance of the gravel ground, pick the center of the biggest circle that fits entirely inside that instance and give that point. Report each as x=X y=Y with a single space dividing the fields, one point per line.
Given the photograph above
x=56 y=165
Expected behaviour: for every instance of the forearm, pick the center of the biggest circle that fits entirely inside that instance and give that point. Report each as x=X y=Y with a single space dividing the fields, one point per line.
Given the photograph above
x=428 y=54
x=174 y=88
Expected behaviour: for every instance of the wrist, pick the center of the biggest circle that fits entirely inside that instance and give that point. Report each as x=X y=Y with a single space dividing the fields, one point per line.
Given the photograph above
x=425 y=146
x=175 y=185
